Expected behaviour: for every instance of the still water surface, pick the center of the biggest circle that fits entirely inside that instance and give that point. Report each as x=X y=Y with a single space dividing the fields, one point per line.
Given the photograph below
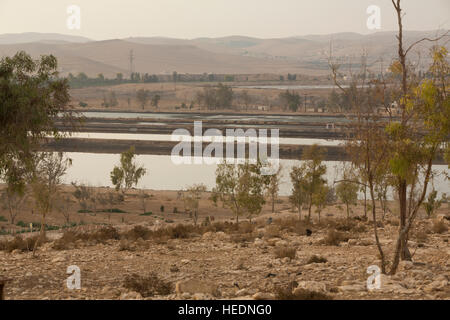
x=163 y=174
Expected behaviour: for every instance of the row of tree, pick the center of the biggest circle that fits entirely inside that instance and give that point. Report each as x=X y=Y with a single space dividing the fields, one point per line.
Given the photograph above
x=82 y=80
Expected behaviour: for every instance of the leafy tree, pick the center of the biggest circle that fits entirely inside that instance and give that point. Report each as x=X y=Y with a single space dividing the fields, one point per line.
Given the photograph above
x=215 y=98
x=347 y=192
x=334 y=101
x=382 y=185
x=403 y=147
x=224 y=95
x=291 y=100
x=240 y=188
x=321 y=198
x=128 y=173
x=32 y=96
x=175 y=79
x=191 y=198
x=142 y=97
x=246 y=99
x=314 y=170
x=155 y=100
x=298 y=194
x=273 y=187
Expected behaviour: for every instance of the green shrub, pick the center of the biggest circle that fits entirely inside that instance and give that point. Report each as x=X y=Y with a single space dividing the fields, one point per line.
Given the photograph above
x=22 y=224
x=114 y=210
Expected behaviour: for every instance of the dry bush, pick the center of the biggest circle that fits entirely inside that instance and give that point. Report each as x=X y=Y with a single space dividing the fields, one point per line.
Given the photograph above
x=69 y=237
x=137 y=232
x=317 y=259
x=219 y=227
x=246 y=227
x=334 y=238
x=180 y=231
x=272 y=231
x=66 y=241
x=126 y=245
x=292 y=225
x=347 y=225
x=183 y=231
x=439 y=227
x=420 y=235
x=287 y=293
x=148 y=286
x=20 y=243
x=285 y=252
x=242 y=238
x=104 y=234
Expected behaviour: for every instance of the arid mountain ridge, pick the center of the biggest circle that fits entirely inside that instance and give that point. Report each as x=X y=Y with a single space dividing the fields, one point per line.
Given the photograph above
x=231 y=55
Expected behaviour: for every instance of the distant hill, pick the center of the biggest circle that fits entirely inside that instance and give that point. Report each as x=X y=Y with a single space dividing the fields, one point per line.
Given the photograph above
x=14 y=38
x=233 y=54
x=311 y=51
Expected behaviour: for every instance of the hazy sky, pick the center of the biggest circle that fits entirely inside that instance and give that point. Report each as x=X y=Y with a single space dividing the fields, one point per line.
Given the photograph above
x=106 y=19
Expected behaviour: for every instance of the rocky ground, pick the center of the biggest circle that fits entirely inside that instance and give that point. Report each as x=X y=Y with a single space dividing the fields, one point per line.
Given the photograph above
x=220 y=265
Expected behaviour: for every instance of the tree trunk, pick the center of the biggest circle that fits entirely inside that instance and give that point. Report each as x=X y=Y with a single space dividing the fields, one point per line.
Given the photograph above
x=365 y=202
x=348 y=211
x=374 y=217
x=41 y=236
x=404 y=252
x=273 y=204
x=309 y=210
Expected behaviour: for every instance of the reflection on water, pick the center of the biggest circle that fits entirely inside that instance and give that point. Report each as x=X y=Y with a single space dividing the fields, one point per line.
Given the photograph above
x=225 y=116
x=167 y=137
x=162 y=174
x=292 y=87
x=295 y=87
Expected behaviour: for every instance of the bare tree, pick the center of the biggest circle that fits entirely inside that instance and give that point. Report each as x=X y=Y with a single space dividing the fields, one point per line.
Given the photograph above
x=49 y=168
x=13 y=201
x=63 y=205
